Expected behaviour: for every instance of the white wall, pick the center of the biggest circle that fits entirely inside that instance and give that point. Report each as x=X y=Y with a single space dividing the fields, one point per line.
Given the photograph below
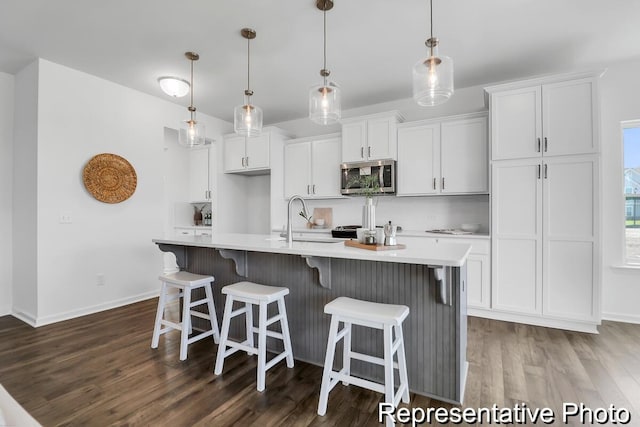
x=24 y=197
x=6 y=181
x=79 y=116
x=620 y=101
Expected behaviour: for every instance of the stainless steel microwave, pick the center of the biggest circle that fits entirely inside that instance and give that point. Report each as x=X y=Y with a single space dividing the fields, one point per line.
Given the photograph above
x=377 y=177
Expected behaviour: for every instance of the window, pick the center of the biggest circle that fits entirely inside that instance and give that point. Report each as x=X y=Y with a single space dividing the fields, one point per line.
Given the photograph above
x=631 y=147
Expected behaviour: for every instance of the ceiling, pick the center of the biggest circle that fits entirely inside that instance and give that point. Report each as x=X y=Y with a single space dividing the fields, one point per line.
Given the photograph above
x=372 y=44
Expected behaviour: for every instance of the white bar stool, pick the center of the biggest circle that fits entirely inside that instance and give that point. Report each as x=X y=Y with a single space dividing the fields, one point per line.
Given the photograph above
x=253 y=294
x=185 y=282
x=387 y=317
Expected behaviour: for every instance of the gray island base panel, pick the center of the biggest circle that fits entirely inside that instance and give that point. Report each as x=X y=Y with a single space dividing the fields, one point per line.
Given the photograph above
x=435 y=334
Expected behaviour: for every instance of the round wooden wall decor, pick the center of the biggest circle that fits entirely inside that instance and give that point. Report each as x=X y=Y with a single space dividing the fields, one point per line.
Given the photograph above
x=109 y=178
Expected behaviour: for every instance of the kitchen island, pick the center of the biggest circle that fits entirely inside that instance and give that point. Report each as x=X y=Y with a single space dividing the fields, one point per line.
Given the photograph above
x=428 y=277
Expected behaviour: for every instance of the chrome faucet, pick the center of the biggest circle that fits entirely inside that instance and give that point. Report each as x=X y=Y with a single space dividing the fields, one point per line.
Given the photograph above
x=304 y=211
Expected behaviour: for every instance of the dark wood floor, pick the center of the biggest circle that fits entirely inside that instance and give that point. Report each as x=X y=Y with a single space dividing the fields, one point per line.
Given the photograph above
x=100 y=370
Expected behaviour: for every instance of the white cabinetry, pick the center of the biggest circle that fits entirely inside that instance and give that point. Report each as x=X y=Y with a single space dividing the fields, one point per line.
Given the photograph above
x=251 y=156
x=543 y=119
x=447 y=156
x=200 y=174
x=544 y=204
x=478 y=271
x=370 y=137
x=312 y=167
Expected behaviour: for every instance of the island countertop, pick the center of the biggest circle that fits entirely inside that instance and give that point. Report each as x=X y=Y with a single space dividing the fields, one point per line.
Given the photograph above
x=424 y=253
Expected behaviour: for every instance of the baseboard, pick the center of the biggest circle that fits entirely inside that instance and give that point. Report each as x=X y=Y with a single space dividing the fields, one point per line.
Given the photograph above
x=27 y=318
x=569 y=325
x=625 y=318
x=46 y=320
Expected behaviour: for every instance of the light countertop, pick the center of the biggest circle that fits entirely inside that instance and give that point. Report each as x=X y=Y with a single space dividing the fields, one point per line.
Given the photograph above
x=427 y=252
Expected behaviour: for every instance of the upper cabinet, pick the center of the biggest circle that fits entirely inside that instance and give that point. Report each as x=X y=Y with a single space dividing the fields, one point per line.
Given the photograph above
x=544 y=119
x=250 y=156
x=200 y=174
x=449 y=156
x=371 y=137
x=312 y=167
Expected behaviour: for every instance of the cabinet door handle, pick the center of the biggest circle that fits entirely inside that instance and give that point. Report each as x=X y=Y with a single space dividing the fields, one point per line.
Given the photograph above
x=545 y=170
x=369 y=151
x=443 y=182
x=362 y=152
x=308 y=186
x=247 y=161
x=434 y=183
x=546 y=145
x=538 y=171
x=538 y=144
x=313 y=189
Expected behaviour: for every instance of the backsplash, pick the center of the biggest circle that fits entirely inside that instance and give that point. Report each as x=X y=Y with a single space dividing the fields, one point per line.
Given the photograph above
x=412 y=213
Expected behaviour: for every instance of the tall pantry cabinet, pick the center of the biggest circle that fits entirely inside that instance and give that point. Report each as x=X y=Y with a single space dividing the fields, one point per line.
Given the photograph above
x=545 y=202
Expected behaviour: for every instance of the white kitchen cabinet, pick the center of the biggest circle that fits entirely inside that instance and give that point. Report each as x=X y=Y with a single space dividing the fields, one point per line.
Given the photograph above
x=544 y=238
x=544 y=202
x=418 y=160
x=447 y=156
x=246 y=154
x=199 y=174
x=370 y=137
x=543 y=119
x=478 y=270
x=312 y=167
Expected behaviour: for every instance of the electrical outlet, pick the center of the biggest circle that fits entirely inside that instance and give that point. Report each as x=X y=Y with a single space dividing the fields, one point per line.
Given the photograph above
x=100 y=279
x=65 y=218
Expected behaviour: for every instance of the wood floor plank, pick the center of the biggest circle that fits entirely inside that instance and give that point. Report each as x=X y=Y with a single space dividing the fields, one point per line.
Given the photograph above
x=100 y=370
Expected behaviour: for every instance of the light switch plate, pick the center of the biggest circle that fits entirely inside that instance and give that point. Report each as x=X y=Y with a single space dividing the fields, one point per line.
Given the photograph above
x=65 y=218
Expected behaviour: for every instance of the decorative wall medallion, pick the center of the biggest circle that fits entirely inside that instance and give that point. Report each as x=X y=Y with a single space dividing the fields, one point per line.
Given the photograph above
x=109 y=178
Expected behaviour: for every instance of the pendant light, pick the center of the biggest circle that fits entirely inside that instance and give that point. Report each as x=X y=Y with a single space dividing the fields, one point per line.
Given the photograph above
x=433 y=75
x=324 y=99
x=191 y=131
x=247 y=118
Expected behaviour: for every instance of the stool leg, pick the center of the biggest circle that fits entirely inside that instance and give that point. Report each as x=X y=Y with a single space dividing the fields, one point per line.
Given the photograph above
x=248 y=317
x=388 y=369
x=402 y=365
x=284 y=326
x=224 y=335
x=213 y=320
x=328 y=367
x=262 y=345
x=186 y=322
x=346 y=352
x=159 y=315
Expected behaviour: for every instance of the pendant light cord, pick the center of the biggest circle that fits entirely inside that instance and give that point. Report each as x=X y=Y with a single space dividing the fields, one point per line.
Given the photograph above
x=248 y=65
x=191 y=108
x=324 y=16
x=431 y=16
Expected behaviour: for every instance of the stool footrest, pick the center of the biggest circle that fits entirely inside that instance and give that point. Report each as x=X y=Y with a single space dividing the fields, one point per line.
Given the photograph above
x=200 y=336
x=275 y=360
x=198 y=302
x=340 y=376
x=236 y=346
x=171 y=325
x=240 y=311
x=274 y=319
x=398 y=397
x=200 y=315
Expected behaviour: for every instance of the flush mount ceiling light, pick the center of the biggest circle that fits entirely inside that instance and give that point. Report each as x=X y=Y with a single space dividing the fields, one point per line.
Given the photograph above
x=324 y=99
x=433 y=75
x=191 y=131
x=247 y=118
x=174 y=86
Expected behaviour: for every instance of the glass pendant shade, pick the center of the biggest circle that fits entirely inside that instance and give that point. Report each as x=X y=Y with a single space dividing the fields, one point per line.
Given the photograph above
x=174 y=86
x=324 y=103
x=433 y=79
x=191 y=133
x=247 y=120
